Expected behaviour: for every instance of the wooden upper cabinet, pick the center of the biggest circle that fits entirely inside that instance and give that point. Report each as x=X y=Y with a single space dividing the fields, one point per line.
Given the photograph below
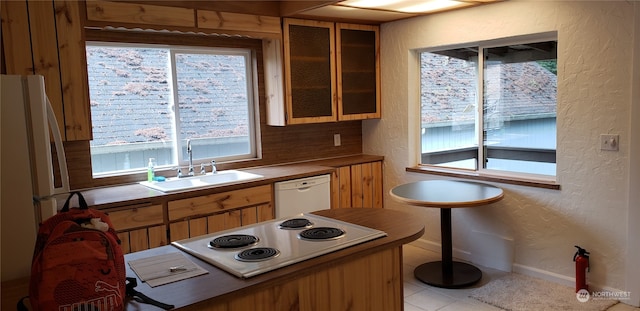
x=331 y=71
x=358 y=60
x=309 y=60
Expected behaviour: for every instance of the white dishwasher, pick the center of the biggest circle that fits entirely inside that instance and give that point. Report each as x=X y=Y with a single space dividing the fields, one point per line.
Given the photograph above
x=302 y=195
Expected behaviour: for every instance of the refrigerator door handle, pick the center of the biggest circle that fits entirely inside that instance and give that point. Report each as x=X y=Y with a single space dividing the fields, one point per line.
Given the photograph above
x=41 y=123
x=62 y=162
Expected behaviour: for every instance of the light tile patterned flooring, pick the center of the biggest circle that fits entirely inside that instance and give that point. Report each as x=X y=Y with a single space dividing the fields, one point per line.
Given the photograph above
x=421 y=297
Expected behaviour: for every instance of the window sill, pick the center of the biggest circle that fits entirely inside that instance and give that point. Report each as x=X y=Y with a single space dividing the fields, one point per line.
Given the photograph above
x=478 y=176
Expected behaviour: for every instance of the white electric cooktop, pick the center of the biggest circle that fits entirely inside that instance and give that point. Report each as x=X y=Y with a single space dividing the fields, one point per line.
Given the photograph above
x=254 y=249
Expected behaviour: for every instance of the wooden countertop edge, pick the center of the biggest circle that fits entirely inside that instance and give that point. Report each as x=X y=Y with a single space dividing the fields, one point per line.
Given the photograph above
x=408 y=231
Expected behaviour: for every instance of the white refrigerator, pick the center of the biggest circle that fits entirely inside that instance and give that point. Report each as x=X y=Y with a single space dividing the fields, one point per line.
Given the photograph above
x=27 y=177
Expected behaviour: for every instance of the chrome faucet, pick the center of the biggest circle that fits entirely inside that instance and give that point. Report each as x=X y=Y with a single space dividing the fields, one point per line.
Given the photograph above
x=213 y=167
x=190 y=152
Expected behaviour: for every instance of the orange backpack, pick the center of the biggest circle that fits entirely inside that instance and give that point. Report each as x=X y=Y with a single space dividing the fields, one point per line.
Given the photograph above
x=77 y=262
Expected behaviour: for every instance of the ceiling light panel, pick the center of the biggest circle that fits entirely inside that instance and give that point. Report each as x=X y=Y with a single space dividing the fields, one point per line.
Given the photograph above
x=407 y=6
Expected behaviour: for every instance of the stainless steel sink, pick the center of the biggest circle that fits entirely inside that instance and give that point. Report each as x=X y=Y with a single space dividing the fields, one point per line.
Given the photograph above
x=220 y=178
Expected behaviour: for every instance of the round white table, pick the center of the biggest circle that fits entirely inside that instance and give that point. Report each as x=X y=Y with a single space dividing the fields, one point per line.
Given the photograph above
x=447 y=194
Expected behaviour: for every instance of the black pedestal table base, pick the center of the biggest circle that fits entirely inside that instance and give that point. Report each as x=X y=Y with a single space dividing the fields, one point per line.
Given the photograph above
x=462 y=275
x=447 y=273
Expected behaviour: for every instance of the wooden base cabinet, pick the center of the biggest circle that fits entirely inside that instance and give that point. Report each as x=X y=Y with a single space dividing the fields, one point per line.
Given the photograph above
x=139 y=227
x=219 y=211
x=372 y=282
x=357 y=185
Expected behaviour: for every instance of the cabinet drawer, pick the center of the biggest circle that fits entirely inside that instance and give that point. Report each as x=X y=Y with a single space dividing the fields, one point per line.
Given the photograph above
x=136 y=217
x=217 y=202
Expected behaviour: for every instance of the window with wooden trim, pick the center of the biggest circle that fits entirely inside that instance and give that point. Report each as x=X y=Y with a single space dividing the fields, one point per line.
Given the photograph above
x=149 y=100
x=490 y=107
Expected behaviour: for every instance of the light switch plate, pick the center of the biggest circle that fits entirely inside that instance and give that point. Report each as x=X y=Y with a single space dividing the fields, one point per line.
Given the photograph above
x=336 y=140
x=609 y=142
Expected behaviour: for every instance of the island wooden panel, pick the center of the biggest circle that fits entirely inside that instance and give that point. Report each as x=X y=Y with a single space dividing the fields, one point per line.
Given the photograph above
x=366 y=283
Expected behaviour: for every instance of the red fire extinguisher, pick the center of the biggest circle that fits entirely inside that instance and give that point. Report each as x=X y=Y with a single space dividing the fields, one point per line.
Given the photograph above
x=582 y=267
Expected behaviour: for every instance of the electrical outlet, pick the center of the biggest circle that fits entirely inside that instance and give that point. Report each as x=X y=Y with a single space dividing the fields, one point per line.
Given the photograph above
x=609 y=142
x=336 y=140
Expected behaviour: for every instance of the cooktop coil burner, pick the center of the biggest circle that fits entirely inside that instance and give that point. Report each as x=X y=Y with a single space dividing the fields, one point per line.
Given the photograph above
x=321 y=234
x=257 y=254
x=233 y=241
x=296 y=223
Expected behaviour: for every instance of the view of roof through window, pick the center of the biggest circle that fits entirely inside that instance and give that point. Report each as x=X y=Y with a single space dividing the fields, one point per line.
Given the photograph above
x=133 y=90
x=518 y=108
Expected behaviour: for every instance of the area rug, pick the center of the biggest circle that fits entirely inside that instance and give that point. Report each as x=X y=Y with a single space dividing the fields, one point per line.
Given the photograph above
x=516 y=292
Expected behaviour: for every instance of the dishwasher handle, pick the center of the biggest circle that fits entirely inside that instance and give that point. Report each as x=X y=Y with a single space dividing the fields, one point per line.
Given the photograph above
x=306 y=185
x=302 y=185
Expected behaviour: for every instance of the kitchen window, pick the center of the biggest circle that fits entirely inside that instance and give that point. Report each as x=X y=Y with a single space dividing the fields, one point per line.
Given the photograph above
x=490 y=108
x=148 y=100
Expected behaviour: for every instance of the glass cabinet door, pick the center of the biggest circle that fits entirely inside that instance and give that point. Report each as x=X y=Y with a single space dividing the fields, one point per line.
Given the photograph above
x=358 y=72
x=309 y=71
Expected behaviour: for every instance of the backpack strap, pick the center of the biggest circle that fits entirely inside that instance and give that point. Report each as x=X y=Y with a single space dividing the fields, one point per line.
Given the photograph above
x=81 y=201
x=140 y=297
x=20 y=306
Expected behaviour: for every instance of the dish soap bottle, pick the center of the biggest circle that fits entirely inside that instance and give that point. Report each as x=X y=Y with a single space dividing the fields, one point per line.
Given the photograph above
x=150 y=170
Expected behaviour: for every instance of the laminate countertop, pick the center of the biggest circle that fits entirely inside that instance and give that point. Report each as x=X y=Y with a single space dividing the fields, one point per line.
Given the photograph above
x=133 y=194
x=401 y=228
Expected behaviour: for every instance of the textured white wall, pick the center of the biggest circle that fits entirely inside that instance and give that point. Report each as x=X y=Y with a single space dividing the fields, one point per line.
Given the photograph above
x=595 y=58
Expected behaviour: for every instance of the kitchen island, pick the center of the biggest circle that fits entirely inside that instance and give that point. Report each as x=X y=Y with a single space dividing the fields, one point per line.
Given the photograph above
x=366 y=276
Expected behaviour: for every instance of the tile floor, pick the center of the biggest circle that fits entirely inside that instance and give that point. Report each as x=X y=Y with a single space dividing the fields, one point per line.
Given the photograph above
x=421 y=297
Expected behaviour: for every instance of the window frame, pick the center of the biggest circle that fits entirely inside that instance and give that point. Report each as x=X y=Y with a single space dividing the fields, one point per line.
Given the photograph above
x=253 y=109
x=187 y=42
x=481 y=173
